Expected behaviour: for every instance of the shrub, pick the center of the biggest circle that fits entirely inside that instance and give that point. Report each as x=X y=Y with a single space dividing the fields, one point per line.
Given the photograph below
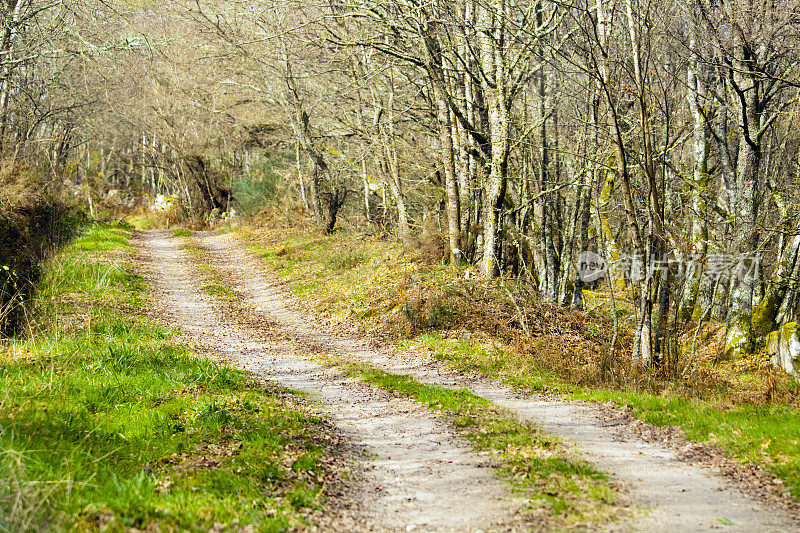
x=259 y=186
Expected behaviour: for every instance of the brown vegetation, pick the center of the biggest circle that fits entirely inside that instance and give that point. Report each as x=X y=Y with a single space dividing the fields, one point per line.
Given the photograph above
x=32 y=226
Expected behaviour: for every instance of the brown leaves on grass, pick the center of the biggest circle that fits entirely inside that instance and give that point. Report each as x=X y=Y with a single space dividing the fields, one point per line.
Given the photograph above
x=206 y=456
x=511 y=313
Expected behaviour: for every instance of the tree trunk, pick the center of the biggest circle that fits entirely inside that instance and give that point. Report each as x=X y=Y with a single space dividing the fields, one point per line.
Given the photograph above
x=767 y=315
x=496 y=91
x=395 y=183
x=301 y=181
x=693 y=304
x=740 y=339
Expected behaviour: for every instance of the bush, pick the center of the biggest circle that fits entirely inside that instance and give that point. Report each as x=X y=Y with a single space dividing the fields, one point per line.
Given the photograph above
x=258 y=187
x=20 y=187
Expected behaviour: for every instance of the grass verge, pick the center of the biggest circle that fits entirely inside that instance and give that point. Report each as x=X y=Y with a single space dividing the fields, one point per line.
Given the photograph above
x=214 y=285
x=764 y=435
x=107 y=422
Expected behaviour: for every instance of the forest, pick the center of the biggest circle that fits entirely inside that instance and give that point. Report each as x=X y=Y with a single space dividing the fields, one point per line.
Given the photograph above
x=517 y=134
x=550 y=242
x=512 y=136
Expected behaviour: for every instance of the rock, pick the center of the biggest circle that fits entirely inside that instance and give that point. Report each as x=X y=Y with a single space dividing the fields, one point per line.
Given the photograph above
x=737 y=342
x=784 y=347
x=163 y=203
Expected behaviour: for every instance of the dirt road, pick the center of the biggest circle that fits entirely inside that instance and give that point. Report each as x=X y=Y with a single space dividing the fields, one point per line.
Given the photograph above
x=421 y=476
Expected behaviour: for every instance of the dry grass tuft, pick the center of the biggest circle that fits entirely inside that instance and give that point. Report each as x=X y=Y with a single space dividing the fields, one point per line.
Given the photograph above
x=432 y=246
x=20 y=188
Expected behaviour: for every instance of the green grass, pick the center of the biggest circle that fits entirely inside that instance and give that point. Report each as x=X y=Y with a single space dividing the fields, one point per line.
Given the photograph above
x=473 y=356
x=181 y=232
x=305 y=288
x=214 y=285
x=107 y=422
x=219 y=290
x=537 y=464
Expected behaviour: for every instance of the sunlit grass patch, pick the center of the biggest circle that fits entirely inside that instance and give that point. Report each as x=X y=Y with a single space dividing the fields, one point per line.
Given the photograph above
x=495 y=360
x=345 y=276
x=219 y=290
x=101 y=238
x=112 y=424
x=91 y=271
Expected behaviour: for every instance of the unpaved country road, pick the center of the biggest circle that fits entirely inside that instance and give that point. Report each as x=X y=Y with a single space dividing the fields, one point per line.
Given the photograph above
x=682 y=496
x=421 y=476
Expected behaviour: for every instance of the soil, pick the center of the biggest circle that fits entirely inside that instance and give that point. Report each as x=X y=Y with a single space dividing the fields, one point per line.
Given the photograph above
x=681 y=485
